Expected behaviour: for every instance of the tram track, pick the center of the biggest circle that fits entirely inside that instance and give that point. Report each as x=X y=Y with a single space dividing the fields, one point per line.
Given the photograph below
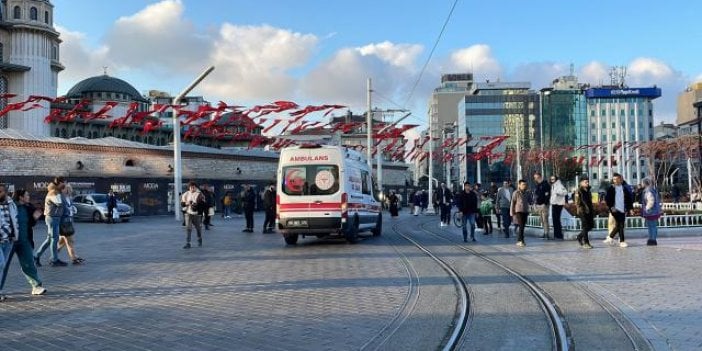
x=463 y=314
x=559 y=329
x=563 y=339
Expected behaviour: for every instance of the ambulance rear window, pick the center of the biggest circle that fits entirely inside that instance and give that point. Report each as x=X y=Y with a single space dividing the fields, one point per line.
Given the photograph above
x=310 y=180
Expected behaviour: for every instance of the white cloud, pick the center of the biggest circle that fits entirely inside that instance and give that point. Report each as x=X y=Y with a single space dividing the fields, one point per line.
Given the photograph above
x=594 y=72
x=158 y=38
x=80 y=61
x=254 y=61
x=477 y=59
x=400 y=55
x=342 y=78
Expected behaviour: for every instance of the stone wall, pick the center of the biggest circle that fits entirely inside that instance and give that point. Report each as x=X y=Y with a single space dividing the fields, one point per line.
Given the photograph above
x=48 y=159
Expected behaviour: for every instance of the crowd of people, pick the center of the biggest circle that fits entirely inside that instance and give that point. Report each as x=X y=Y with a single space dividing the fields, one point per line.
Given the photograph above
x=17 y=219
x=198 y=207
x=512 y=206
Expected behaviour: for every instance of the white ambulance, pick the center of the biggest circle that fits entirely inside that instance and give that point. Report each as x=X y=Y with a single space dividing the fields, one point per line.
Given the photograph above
x=325 y=190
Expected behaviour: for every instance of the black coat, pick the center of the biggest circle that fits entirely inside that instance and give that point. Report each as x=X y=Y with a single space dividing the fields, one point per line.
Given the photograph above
x=269 y=199
x=542 y=193
x=628 y=197
x=467 y=202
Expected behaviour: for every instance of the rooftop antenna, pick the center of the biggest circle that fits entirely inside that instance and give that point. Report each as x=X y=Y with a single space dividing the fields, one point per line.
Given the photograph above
x=104 y=70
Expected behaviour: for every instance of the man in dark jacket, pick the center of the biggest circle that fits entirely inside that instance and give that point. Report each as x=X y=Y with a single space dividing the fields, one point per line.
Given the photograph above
x=210 y=201
x=620 y=201
x=111 y=206
x=467 y=203
x=443 y=199
x=249 y=206
x=269 y=207
x=585 y=211
x=542 y=195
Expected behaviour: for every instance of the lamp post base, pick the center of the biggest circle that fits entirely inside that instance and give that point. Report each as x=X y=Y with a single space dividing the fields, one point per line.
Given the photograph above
x=430 y=210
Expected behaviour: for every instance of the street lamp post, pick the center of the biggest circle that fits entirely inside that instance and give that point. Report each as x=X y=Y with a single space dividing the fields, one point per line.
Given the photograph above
x=177 y=166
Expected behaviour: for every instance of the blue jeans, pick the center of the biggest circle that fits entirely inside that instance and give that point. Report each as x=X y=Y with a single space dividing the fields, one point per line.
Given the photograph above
x=506 y=219
x=52 y=226
x=468 y=218
x=23 y=249
x=652 y=226
x=5 y=252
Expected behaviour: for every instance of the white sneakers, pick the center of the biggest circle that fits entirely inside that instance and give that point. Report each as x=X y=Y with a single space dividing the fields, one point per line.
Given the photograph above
x=610 y=241
x=521 y=244
x=38 y=290
x=442 y=224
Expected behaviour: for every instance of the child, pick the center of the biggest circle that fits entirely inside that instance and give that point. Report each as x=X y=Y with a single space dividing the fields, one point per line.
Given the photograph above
x=486 y=209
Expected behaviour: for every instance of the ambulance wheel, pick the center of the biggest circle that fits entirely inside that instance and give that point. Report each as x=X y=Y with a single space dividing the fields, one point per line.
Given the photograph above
x=378 y=230
x=352 y=232
x=291 y=239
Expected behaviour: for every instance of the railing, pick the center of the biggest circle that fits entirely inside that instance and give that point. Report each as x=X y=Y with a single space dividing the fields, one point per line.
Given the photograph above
x=673 y=221
x=681 y=206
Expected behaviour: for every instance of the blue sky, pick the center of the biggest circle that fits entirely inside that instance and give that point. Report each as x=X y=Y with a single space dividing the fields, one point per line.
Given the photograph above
x=510 y=40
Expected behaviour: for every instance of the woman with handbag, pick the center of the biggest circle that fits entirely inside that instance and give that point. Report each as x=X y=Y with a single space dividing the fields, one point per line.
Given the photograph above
x=53 y=213
x=67 y=230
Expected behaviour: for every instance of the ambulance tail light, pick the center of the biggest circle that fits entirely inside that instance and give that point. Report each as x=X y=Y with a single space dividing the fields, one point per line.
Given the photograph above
x=277 y=206
x=344 y=207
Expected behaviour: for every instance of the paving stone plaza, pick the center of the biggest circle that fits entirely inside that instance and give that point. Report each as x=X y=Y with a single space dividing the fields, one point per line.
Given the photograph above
x=140 y=291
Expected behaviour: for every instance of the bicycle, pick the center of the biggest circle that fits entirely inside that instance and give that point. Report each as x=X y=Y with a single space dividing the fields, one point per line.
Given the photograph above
x=458 y=219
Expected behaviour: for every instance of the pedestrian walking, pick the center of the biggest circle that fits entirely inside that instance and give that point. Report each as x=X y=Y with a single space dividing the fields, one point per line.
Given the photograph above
x=467 y=203
x=425 y=201
x=249 y=206
x=269 y=206
x=54 y=211
x=444 y=198
x=585 y=211
x=558 y=199
x=503 y=204
x=111 y=206
x=193 y=203
x=619 y=199
x=651 y=210
x=542 y=196
x=417 y=202
x=15 y=221
x=496 y=210
x=486 y=209
x=67 y=230
x=227 y=201
x=208 y=211
x=519 y=209
x=23 y=198
x=394 y=204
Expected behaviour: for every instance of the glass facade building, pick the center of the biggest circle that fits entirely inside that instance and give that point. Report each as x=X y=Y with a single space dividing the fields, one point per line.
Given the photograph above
x=494 y=109
x=619 y=118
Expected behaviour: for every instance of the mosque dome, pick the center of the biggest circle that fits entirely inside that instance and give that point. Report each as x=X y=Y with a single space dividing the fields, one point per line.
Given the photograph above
x=113 y=88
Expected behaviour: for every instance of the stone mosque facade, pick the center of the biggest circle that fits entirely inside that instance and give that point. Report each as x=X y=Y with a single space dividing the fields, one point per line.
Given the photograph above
x=29 y=59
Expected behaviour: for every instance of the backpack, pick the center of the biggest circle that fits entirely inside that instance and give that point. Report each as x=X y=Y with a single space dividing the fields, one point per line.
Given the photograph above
x=655 y=212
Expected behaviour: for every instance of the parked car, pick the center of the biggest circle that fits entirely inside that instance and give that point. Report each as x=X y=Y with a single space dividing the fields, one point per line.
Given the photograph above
x=94 y=207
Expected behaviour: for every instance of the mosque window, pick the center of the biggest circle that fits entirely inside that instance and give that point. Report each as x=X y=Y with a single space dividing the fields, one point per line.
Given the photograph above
x=46 y=17
x=17 y=12
x=33 y=14
x=54 y=52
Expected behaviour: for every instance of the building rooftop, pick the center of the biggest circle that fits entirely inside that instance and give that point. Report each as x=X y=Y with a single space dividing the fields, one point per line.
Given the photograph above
x=121 y=143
